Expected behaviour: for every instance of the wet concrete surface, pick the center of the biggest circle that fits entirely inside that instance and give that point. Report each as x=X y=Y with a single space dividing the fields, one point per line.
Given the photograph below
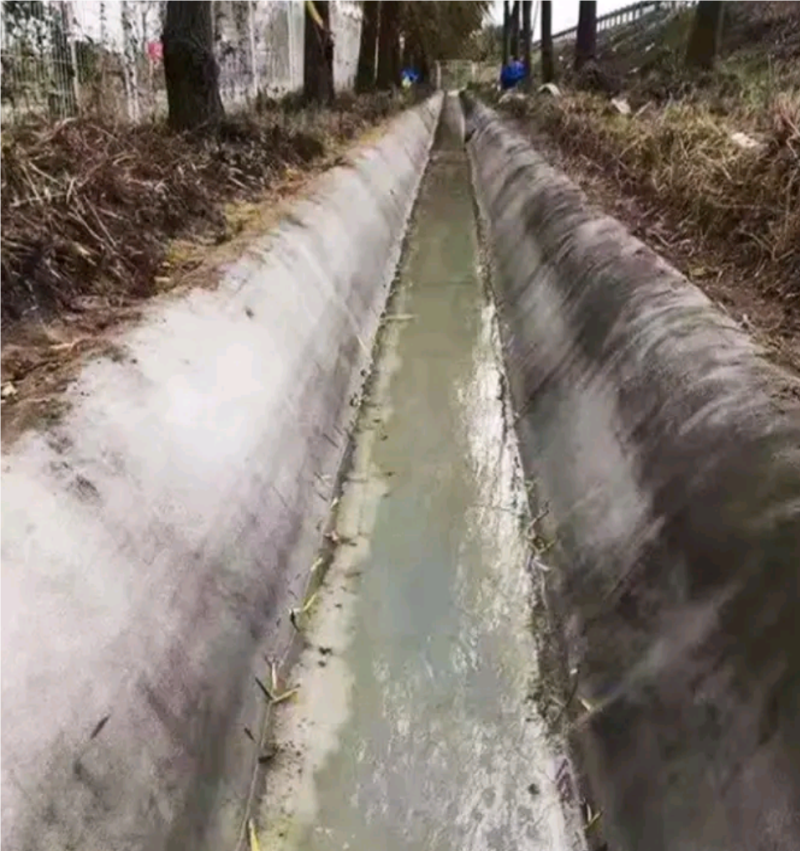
x=155 y=536
x=414 y=726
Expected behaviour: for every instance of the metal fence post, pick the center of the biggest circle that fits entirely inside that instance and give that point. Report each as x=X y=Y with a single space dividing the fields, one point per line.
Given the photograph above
x=69 y=36
x=251 y=32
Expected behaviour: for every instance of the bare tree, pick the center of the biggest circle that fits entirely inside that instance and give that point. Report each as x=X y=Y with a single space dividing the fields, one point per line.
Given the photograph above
x=440 y=30
x=190 y=68
x=506 y=30
x=586 y=40
x=526 y=39
x=415 y=28
x=389 y=45
x=705 y=37
x=548 y=63
x=368 y=47
x=318 y=54
x=515 y=28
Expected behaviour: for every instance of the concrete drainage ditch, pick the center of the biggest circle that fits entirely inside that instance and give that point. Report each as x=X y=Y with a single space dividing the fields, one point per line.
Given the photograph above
x=161 y=543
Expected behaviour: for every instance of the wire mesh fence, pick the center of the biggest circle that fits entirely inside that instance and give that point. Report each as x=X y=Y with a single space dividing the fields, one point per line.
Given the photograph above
x=38 y=61
x=104 y=57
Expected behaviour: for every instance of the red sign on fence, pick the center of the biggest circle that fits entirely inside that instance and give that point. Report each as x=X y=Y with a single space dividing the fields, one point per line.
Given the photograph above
x=155 y=51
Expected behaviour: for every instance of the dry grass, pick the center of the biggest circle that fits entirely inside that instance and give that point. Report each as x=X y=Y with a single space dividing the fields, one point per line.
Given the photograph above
x=709 y=188
x=88 y=209
x=760 y=52
x=727 y=216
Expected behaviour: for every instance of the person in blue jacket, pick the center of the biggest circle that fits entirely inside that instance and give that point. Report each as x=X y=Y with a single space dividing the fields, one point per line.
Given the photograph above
x=512 y=74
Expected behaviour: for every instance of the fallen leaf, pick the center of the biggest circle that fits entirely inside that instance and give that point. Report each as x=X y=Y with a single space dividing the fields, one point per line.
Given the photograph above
x=251 y=832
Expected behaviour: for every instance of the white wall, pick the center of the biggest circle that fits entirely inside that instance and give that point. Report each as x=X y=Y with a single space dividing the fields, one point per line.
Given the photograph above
x=271 y=61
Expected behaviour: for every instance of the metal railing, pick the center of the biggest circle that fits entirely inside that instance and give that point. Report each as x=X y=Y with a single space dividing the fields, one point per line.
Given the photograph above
x=621 y=17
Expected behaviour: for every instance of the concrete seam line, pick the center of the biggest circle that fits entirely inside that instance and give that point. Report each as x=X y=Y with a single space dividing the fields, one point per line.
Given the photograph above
x=650 y=423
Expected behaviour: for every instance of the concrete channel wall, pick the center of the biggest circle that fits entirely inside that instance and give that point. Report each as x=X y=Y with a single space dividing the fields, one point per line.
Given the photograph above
x=154 y=539
x=667 y=451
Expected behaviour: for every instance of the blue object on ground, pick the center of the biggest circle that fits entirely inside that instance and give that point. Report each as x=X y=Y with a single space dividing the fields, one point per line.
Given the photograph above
x=409 y=76
x=511 y=74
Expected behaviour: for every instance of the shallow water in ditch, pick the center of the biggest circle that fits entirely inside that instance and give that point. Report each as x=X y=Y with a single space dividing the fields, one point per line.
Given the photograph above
x=413 y=727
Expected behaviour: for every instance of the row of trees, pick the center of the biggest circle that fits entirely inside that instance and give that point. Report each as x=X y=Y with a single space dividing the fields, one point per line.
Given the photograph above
x=517 y=34
x=701 y=52
x=393 y=35
x=397 y=35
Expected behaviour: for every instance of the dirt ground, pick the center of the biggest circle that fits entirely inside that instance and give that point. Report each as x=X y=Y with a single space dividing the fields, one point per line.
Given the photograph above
x=65 y=290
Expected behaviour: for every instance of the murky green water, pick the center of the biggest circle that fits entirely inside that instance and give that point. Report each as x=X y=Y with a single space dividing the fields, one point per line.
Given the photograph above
x=416 y=730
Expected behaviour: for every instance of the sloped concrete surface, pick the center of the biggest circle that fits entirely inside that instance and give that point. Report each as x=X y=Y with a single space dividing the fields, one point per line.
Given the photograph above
x=154 y=539
x=667 y=450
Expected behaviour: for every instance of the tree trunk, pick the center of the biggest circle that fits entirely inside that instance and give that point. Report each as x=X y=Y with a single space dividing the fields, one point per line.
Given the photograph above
x=413 y=56
x=318 y=54
x=409 y=51
x=515 y=16
x=506 y=31
x=705 y=36
x=548 y=64
x=419 y=50
x=526 y=40
x=190 y=68
x=365 y=75
x=389 y=46
x=419 y=61
x=424 y=67
x=586 y=41
x=396 y=64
